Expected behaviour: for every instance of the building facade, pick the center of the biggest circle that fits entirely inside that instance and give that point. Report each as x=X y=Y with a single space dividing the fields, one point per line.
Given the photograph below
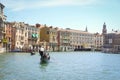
x=98 y=44
x=81 y=39
x=8 y=35
x=2 y=28
x=13 y=36
x=21 y=36
x=53 y=44
x=44 y=36
x=70 y=40
x=48 y=38
x=33 y=36
x=112 y=42
x=63 y=40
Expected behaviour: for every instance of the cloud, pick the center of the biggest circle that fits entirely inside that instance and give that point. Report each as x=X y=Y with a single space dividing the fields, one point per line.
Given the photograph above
x=32 y=4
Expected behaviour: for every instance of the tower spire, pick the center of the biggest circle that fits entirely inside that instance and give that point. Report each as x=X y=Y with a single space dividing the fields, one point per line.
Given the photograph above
x=86 y=30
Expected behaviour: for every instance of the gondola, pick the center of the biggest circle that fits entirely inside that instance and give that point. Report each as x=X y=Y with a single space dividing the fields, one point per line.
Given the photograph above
x=45 y=58
x=32 y=53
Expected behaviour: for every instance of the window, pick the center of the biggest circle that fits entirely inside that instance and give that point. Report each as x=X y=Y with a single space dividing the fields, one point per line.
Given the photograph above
x=22 y=38
x=25 y=34
x=47 y=32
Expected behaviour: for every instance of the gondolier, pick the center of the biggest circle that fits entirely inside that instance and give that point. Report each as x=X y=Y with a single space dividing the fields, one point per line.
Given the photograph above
x=41 y=51
x=45 y=57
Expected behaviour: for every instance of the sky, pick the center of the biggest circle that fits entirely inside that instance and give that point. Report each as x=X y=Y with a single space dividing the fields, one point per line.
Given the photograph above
x=74 y=14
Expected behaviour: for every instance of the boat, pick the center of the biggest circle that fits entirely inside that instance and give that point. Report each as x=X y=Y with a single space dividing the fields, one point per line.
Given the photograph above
x=45 y=58
x=32 y=53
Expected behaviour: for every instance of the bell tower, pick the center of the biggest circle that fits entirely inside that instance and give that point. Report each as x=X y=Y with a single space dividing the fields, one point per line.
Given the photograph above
x=104 y=30
x=86 y=30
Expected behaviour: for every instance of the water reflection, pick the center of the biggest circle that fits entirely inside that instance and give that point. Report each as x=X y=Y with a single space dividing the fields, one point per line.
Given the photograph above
x=43 y=66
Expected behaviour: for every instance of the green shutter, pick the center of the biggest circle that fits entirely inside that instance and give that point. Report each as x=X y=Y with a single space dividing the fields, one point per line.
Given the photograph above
x=36 y=35
x=33 y=35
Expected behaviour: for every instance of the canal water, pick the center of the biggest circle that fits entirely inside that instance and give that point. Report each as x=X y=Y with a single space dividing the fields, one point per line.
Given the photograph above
x=62 y=66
